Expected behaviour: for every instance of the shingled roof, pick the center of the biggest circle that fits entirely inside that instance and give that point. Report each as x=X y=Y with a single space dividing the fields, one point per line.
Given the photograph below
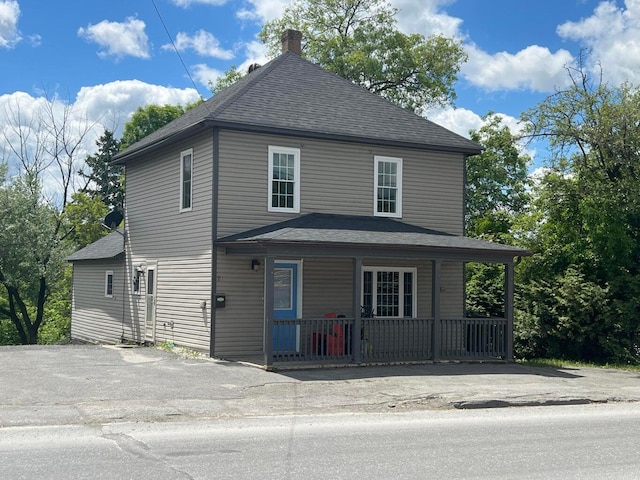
x=292 y=96
x=109 y=246
x=377 y=235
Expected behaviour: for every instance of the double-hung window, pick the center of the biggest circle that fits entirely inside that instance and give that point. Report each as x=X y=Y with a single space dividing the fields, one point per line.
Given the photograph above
x=186 y=180
x=389 y=291
x=108 y=284
x=387 y=187
x=284 y=179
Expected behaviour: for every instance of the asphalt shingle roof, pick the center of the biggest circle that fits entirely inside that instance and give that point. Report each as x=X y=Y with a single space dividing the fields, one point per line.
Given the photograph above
x=374 y=232
x=290 y=95
x=109 y=246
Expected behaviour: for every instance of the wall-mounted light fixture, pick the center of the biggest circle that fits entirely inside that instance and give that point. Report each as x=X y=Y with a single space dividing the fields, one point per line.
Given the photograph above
x=255 y=264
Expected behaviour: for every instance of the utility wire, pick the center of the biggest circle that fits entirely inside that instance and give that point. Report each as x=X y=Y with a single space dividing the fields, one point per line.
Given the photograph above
x=176 y=49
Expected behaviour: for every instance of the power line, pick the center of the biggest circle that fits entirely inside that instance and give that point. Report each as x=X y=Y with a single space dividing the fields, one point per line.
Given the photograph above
x=176 y=49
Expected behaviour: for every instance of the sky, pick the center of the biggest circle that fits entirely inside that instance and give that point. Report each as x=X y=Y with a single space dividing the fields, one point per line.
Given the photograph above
x=105 y=59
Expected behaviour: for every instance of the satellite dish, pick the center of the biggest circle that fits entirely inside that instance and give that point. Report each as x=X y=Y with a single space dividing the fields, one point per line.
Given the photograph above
x=113 y=219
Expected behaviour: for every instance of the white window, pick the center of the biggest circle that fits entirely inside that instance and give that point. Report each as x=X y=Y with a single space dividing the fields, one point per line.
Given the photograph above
x=389 y=291
x=108 y=284
x=387 y=187
x=284 y=179
x=186 y=180
x=137 y=281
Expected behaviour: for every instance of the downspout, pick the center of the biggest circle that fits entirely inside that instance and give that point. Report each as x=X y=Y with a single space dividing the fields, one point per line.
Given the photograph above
x=126 y=257
x=215 y=167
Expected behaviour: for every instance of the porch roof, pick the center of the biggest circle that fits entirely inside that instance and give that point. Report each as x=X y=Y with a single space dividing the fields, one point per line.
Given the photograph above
x=318 y=234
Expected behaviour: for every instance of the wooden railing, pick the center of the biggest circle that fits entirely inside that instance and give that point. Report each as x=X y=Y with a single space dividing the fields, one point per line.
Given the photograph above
x=334 y=340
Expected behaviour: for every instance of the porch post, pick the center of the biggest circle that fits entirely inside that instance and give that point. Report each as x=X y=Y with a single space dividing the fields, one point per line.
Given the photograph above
x=508 y=306
x=268 y=307
x=357 y=313
x=436 y=344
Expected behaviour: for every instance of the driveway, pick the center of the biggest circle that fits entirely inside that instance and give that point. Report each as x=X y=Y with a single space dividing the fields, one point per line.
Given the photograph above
x=86 y=384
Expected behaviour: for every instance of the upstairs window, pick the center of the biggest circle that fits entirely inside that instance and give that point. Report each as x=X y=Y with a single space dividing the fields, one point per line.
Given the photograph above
x=284 y=179
x=388 y=187
x=186 y=180
x=108 y=284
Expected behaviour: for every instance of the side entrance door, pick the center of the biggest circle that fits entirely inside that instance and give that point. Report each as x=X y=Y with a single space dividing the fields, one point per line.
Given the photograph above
x=286 y=306
x=150 y=303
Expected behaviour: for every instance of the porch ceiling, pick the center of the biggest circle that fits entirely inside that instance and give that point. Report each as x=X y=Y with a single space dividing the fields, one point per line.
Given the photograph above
x=318 y=234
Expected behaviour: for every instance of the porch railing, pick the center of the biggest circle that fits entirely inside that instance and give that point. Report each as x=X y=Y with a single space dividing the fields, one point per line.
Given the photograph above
x=333 y=340
x=473 y=338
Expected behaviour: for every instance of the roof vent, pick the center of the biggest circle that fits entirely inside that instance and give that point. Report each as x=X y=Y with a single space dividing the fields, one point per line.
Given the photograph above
x=253 y=66
x=292 y=41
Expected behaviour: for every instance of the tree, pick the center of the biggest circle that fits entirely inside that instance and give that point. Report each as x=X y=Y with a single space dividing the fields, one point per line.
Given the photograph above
x=146 y=120
x=359 y=40
x=45 y=143
x=496 y=195
x=585 y=274
x=105 y=180
x=230 y=77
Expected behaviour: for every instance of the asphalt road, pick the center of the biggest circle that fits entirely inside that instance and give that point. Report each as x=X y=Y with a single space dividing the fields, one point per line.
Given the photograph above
x=567 y=442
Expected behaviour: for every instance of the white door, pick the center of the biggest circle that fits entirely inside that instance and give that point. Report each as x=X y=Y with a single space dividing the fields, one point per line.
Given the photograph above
x=150 y=303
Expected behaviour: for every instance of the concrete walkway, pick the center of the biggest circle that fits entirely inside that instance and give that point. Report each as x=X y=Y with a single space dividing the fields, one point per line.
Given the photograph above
x=54 y=385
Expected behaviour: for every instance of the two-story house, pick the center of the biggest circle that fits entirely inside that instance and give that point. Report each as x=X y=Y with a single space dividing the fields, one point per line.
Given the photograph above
x=294 y=217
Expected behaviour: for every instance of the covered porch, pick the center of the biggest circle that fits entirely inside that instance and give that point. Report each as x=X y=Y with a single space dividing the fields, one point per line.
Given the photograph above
x=393 y=314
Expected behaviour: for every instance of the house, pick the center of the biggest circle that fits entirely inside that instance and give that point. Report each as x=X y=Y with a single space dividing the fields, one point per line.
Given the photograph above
x=294 y=218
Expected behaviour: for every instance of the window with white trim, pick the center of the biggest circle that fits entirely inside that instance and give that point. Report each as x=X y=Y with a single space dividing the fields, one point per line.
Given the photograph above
x=186 y=180
x=389 y=291
x=137 y=281
x=284 y=179
x=387 y=187
x=108 y=284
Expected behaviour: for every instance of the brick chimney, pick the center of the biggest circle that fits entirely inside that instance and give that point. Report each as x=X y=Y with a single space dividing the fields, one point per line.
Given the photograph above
x=292 y=41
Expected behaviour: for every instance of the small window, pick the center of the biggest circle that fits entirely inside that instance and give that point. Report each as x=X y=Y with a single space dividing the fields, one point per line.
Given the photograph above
x=284 y=179
x=137 y=280
x=389 y=291
x=388 y=187
x=108 y=284
x=186 y=180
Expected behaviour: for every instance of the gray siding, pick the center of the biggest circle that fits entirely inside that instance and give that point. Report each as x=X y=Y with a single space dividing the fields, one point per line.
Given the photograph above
x=179 y=241
x=239 y=325
x=94 y=317
x=327 y=288
x=335 y=177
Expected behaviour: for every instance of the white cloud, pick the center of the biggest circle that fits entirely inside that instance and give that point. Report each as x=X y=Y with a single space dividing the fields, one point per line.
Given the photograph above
x=426 y=17
x=533 y=68
x=254 y=52
x=203 y=43
x=9 y=14
x=262 y=10
x=188 y=3
x=94 y=109
x=613 y=36
x=112 y=104
x=204 y=74
x=118 y=39
x=459 y=120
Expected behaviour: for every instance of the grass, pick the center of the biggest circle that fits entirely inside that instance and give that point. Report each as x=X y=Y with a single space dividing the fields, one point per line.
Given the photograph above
x=557 y=363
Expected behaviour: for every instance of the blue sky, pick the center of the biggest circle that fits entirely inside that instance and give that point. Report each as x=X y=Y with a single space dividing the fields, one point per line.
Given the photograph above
x=107 y=58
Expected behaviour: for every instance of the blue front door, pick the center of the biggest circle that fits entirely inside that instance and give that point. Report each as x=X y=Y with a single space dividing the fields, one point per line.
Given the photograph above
x=285 y=306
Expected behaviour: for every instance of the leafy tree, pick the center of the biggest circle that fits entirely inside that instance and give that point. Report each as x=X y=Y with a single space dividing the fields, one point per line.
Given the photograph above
x=105 y=180
x=496 y=195
x=146 y=120
x=230 y=77
x=496 y=180
x=587 y=234
x=85 y=216
x=34 y=238
x=359 y=40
